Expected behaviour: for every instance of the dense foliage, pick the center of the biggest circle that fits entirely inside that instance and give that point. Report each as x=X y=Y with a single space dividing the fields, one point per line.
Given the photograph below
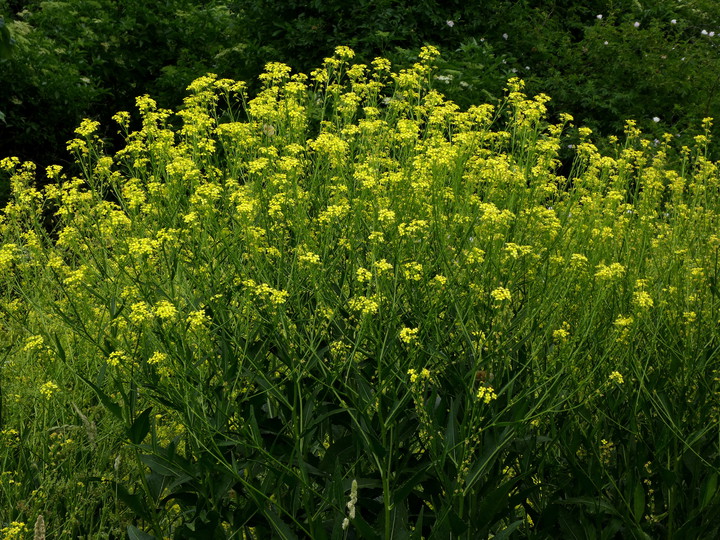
x=345 y=308
x=602 y=61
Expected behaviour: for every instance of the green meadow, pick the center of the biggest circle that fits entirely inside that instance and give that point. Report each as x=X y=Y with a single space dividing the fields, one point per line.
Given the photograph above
x=342 y=306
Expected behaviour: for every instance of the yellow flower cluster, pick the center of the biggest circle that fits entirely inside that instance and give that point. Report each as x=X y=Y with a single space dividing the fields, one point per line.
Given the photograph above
x=48 y=389
x=501 y=294
x=409 y=335
x=364 y=305
x=486 y=394
x=424 y=375
x=333 y=209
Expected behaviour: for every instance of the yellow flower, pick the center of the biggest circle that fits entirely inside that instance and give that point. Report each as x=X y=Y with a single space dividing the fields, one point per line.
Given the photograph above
x=428 y=53
x=48 y=389
x=157 y=358
x=197 y=319
x=140 y=311
x=33 y=342
x=614 y=271
x=643 y=300
x=363 y=275
x=409 y=335
x=7 y=255
x=142 y=246
x=382 y=266
x=486 y=394
x=16 y=529
x=344 y=53
x=122 y=118
x=561 y=335
x=274 y=296
x=439 y=280
x=87 y=127
x=616 y=377
x=309 y=259
x=413 y=271
x=117 y=358
x=165 y=310
x=501 y=294
x=376 y=236
x=606 y=451
x=623 y=322
x=365 y=305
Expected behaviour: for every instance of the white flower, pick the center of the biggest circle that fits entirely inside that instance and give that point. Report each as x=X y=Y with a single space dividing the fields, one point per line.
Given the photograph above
x=599 y=16
x=704 y=32
x=656 y=119
x=636 y=24
x=605 y=43
x=674 y=21
x=711 y=34
x=450 y=23
x=505 y=36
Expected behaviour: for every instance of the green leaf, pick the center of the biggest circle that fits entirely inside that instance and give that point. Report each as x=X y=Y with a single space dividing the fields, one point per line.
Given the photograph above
x=638 y=502
x=340 y=448
x=140 y=427
x=709 y=488
x=492 y=451
x=279 y=525
x=507 y=531
x=457 y=525
x=403 y=491
x=452 y=433
x=133 y=501
x=496 y=502
x=106 y=400
x=60 y=349
x=5 y=40
x=594 y=505
x=136 y=534
x=165 y=466
x=363 y=528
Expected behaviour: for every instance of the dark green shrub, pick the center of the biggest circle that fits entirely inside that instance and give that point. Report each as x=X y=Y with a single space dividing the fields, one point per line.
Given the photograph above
x=93 y=57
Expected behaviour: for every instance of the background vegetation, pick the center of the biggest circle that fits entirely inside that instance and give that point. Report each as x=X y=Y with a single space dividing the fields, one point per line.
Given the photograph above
x=90 y=58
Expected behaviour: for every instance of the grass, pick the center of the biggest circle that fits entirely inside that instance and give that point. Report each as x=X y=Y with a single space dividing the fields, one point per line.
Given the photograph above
x=345 y=308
